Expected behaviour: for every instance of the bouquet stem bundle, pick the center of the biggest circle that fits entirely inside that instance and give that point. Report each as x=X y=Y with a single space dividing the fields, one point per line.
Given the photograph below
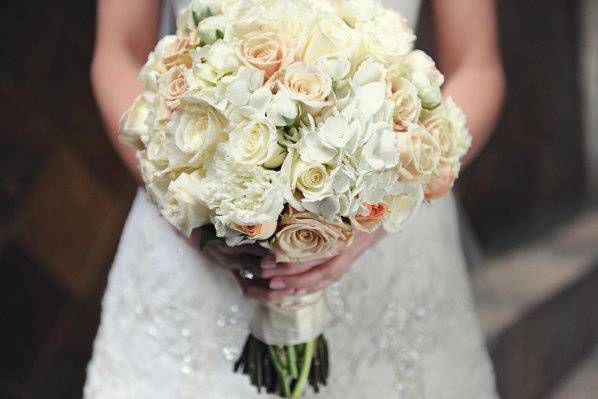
x=285 y=370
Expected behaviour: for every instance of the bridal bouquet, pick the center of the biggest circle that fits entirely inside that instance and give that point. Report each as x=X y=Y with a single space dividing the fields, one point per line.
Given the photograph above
x=292 y=124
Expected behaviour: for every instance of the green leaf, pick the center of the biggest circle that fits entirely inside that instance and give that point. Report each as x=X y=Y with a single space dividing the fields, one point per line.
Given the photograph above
x=219 y=34
x=209 y=12
x=208 y=236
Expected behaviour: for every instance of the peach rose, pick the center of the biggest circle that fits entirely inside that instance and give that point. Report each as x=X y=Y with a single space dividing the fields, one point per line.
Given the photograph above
x=308 y=84
x=178 y=53
x=407 y=105
x=172 y=86
x=304 y=236
x=370 y=222
x=420 y=154
x=440 y=127
x=267 y=51
x=260 y=231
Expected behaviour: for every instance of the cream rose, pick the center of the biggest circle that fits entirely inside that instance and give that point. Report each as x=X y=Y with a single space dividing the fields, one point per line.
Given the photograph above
x=181 y=205
x=196 y=127
x=440 y=128
x=401 y=208
x=308 y=84
x=407 y=105
x=419 y=154
x=327 y=35
x=311 y=179
x=422 y=72
x=255 y=142
x=267 y=51
x=303 y=236
x=387 y=36
x=354 y=11
x=132 y=126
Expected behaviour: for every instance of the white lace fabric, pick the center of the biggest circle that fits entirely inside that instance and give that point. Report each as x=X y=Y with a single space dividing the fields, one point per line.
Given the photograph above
x=173 y=321
x=403 y=326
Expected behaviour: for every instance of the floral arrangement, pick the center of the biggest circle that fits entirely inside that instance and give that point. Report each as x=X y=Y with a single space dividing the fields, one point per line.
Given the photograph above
x=292 y=124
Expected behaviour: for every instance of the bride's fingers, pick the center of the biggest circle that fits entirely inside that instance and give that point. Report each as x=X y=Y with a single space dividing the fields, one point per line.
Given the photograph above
x=321 y=275
x=288 y=269
x=253 y=291
x=250 y=249
x=265 y=294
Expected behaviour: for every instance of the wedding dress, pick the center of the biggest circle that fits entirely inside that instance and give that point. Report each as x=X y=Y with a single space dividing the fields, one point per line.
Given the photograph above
x=403 y=326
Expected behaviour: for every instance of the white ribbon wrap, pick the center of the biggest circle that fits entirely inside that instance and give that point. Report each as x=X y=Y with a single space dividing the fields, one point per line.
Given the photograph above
x=291 y=321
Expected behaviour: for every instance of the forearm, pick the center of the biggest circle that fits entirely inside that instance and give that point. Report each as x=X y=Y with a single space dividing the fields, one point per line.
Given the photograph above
x=479 y=92
x=114 y=79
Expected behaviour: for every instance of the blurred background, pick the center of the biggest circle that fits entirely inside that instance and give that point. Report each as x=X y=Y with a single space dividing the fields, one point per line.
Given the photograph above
x=529 y=203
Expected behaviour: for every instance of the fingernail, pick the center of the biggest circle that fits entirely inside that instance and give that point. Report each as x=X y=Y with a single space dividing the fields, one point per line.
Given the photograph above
x=300 y=291
x=268 y=263
x=277 y=284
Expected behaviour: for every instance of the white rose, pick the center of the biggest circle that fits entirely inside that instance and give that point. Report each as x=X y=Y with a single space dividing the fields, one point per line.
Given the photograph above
x=422 y=72
x=313 y=180
x=196 y=127
x=407 y=106
x=212 y=63
x=255 y=142
x=182 y=207
x=267 y=51
x=387 y=36
x=154 y=67
x=327 y=35
x=308 y=84
x=354 y=11
x=212 y=29
x=419 y=152
x=132 y=126
x=401 y=208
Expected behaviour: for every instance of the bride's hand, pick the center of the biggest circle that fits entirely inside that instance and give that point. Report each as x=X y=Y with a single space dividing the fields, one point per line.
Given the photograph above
x=231 y=258
x=303 y=277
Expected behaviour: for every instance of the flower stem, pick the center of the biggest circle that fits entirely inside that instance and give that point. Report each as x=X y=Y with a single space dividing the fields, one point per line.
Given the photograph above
x=282 y=374
x=292 y=361
x=305 y=367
